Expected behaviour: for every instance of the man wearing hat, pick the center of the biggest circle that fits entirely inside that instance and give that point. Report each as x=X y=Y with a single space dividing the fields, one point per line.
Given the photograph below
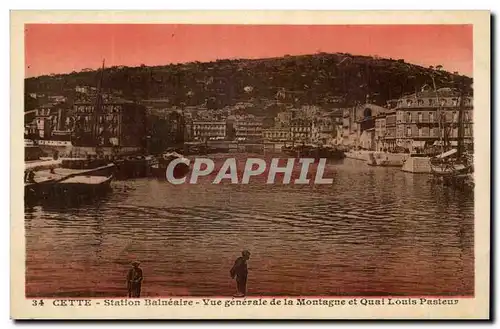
x=134 y=280
x=240 y=272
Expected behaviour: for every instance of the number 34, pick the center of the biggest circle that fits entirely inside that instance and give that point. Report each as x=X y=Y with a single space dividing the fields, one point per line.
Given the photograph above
x=37 y=302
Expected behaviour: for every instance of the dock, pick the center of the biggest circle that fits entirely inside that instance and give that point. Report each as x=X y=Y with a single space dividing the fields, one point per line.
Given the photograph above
x=42 y=164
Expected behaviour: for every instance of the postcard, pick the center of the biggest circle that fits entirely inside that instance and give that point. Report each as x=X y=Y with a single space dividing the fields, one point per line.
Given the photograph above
x=250 y=165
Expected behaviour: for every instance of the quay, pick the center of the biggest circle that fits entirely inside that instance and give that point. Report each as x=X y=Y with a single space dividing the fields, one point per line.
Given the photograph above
x=417 y=165
x=42 y=164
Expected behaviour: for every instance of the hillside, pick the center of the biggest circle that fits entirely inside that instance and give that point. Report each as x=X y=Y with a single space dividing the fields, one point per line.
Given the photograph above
x=326 y=80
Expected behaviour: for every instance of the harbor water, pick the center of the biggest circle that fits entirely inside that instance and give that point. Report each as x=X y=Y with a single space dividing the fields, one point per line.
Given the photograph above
x=374 y=232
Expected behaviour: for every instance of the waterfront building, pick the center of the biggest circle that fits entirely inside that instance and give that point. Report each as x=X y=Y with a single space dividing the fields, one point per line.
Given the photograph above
x=248 y=129
x=390 y=130
x=380 y=131
x=327 y=125
x=418 y=122
x=348 y=126
x=117 y=122
x=368 y=126
x=304 y=131
x=41 y=122
x=276 y=134
x=209 y=130
x=365 y=129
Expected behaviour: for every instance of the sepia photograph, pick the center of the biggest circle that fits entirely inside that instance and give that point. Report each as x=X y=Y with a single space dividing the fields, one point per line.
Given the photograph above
x=177 y=164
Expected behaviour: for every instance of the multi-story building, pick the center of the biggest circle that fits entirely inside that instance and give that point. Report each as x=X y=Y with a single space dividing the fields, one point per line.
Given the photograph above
x=276 y=134
x=390 y=130
x=209 y=130
x=365 y=130
x=304 y=131
x=45 y=120
x=426 y=117
x=380 y=131
x=248 y=129
x=116 y=122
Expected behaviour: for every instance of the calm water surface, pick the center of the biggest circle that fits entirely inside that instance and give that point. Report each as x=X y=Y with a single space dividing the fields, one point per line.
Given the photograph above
x=374 y=231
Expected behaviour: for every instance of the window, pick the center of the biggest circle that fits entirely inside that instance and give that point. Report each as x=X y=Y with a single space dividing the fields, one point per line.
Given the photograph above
x=420 y=118
x=431 y=116
x=408 y=131
x=408 y=115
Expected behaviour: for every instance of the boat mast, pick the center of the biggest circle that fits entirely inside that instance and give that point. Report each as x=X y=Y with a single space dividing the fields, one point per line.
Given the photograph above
x=97 y=108
x=440 y=123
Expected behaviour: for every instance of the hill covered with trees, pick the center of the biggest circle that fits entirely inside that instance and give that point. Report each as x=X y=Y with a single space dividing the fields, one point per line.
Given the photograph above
x=325 y=80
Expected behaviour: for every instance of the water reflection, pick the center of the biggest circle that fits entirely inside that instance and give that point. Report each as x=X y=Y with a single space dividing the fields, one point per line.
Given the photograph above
x=374 y=231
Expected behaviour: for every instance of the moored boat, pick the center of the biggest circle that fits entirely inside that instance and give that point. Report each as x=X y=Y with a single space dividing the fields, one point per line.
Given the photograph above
x=159 y=169
x=134 y=166
x=448 y=163
x=83 y=184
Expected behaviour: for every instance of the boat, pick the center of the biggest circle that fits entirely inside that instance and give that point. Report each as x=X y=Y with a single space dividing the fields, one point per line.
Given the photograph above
x=448 y=163
x=454 y=166
x=134 y=166
x=36 y=188
x=83 y=184
x=159 y=169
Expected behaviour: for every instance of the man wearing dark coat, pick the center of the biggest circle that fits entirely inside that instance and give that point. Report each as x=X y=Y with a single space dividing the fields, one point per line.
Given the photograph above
x=134 y=281
x=240 y=272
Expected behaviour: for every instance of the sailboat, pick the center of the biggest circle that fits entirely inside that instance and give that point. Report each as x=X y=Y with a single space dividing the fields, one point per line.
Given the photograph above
x=96 y=173
x=453 y=162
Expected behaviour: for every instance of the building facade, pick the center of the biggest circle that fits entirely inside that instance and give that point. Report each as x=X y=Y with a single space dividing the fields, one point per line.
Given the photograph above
x=304 y=131
x=117 y=122
x=42 y=122
x=428 y=117
x=380 y=131
x=276 y=134
x=390 y=130
x=209 y=130
x=248 y=129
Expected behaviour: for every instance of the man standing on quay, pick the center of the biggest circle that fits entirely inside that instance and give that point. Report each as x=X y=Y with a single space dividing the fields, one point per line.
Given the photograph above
x=240 y=272
x=134 y=281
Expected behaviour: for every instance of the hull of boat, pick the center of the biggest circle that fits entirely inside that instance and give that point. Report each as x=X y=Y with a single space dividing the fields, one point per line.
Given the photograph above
x=133 y=168
x=87 y=185
x=450 y=169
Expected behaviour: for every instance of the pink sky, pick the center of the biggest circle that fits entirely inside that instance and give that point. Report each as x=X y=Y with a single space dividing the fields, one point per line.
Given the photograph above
x=62 y=48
